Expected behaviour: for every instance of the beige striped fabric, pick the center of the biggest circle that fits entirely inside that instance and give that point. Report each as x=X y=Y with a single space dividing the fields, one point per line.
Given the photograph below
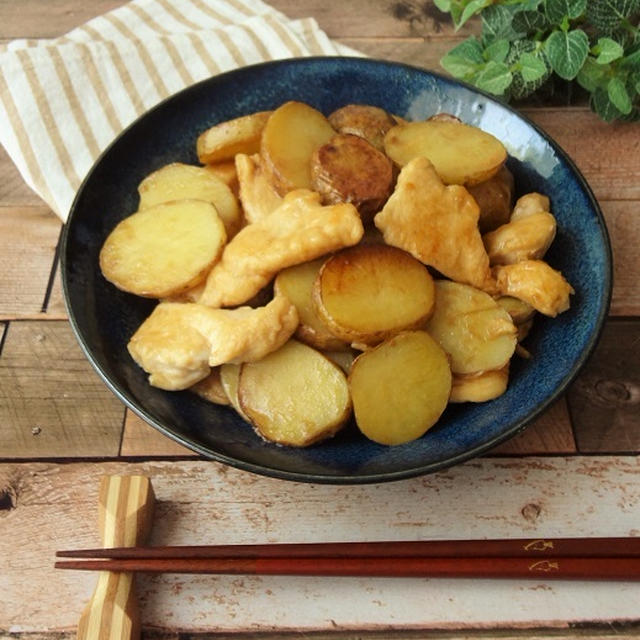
x=63 y=101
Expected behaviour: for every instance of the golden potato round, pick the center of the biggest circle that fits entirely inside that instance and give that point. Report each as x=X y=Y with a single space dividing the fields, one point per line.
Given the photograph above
x=211 y=389
x=367 y=293
x=178 y=181
x=292 y=133
x=164 y=250
x=494 y=197
x=366 y=121
x=294 y=396
x=480 y=387
x=400 y=388
x=460 y=153
x=224 y=140
x=476 y=332
x=296 y=283
x=349 y=169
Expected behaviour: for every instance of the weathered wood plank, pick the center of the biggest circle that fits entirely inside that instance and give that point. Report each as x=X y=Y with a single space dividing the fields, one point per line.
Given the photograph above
x=605 y=400
x=141 y=439
x=13 y=189
x=55 y=307
x=48 y=507
x=52 y=402
x=550 y=433
x=28 y=238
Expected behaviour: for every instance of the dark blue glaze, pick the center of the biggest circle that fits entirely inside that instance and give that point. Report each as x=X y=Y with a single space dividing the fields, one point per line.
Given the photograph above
x=104 y=318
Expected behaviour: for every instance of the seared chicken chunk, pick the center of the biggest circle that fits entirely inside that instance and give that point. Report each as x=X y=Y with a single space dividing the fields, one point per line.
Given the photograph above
x=529 y=203
x=179 y=342
x=436 y=224
x=259 y=198
x=535 y=282
x=299 y=230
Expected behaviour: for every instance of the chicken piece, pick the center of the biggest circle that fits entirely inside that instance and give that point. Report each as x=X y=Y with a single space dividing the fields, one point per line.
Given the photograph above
x=436 y=224
x=299 y=230
x=180 y=341
x=535 y=282
x=529 y=203
x=257 y=194
x=526 y=238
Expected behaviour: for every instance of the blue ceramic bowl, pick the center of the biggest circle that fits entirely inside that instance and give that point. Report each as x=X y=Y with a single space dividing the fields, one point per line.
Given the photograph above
x=104 y=318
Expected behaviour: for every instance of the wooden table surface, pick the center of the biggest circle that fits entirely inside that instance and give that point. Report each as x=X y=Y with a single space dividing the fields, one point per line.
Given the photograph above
x=576 y=471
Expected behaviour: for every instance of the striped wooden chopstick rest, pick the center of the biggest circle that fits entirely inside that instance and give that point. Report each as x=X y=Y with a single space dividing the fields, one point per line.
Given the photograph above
x=125 y=516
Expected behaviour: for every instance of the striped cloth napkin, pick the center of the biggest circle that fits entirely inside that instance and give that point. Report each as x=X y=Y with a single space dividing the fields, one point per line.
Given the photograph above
x=62 y=101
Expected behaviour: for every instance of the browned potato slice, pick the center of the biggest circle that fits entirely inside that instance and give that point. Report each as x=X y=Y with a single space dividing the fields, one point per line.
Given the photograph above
x=526 y=238
x=528 y=204
x=224 y=140
x=370 y=292
x=494 y=198
x=294 y=396
x=535 y=282
x=366 y=121
x=179 y=181
x=296 y=283
x=226 y=171
x=461 y=154
x=258 y=196
x=519 y=310
x=476 y=332
x=436 y=224
x=229 y=378
x=211 y=388
x=349 y=169
x=164 y=250
x=483 y=386
x=400 y=388
x=292 y=133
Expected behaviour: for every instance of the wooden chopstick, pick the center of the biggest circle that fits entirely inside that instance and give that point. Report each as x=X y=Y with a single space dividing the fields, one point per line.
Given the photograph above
x=558 y=568
x=513 y=548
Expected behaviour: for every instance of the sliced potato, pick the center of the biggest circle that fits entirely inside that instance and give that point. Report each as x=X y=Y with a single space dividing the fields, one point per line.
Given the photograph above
x=370 y=292
x=296 y=283
x=294 y=396
x=258 y=196
x=292 y=133
x=226 y=171
x=519 y=310
x=476 y=332
x=400 y=388
x=229 y=378
x=224 y=140
x=530 y=203
x=460 y=153
x=535 y=282
x=164 y=250
x=366 y=121
x=179 y=181
x=350 y=169
x=211 y=388
x=481 y=387
x=494 y=197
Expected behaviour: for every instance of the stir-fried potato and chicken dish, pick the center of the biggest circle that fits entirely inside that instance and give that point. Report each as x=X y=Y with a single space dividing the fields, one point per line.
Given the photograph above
x=311 y=262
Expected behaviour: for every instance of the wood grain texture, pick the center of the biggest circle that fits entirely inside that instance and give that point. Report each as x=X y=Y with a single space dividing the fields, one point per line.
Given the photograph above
x=28 y=239
x=13 y=189
x=52 y=402
x=53 y=506
x=141 y=439
x=605 y=400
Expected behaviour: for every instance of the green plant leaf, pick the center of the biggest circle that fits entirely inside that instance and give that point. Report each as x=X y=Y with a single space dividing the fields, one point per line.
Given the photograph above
x=531 y=67
x=463 y=60
x=556 y=10
x=527 y=22
x=618 y=94
x=607 y=50
x=471 y=9
x=521 y=88
x=592 y=75
x=497 y=51
x=496 y=23
x=567 y=52
x=634 y=80
x=631 y=61
x=443 y=5
x=603 y=106
x=607 y=15
x=494 y=78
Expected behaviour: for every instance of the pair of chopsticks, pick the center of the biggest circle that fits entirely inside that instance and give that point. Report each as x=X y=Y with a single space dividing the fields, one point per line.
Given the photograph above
x=549 y=558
